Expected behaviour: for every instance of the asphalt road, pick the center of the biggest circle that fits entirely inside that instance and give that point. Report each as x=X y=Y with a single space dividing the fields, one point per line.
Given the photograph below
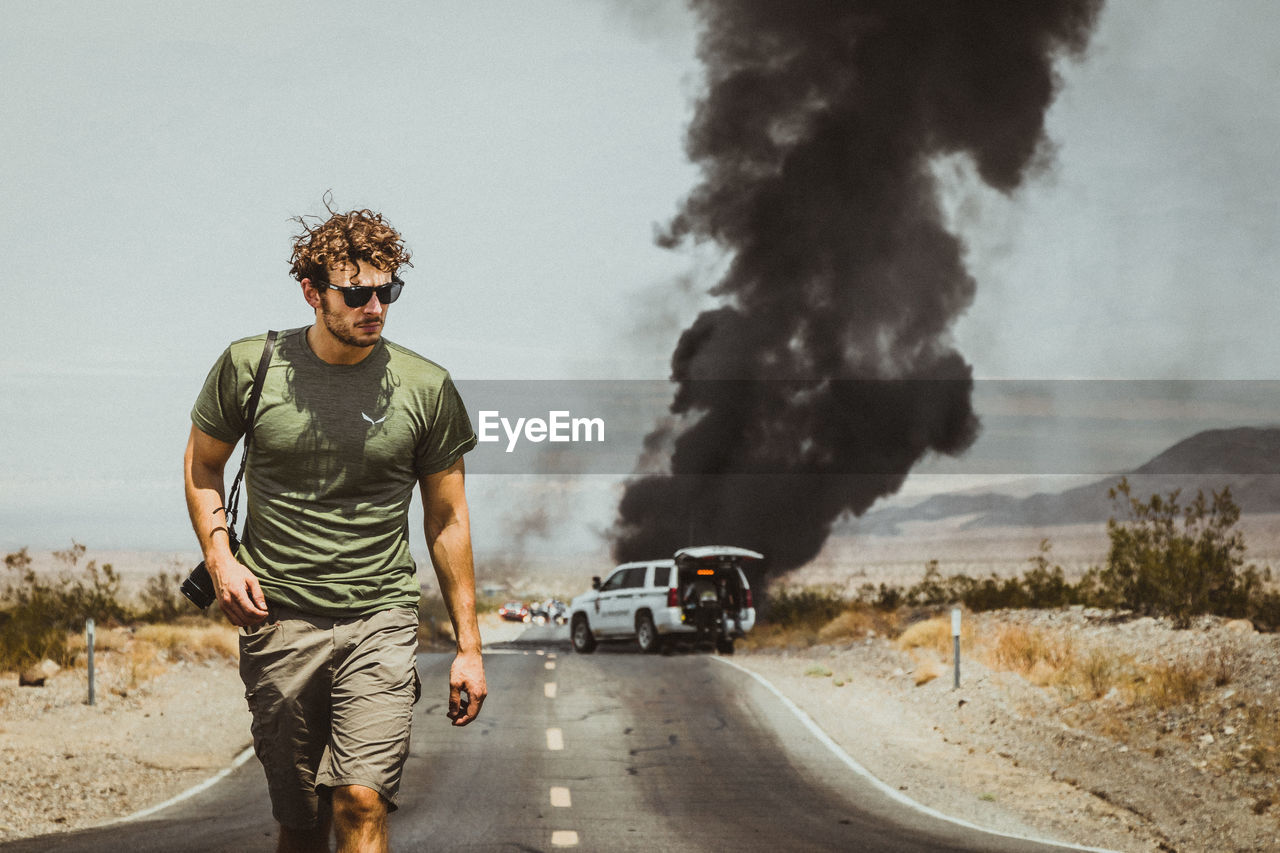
x=614 y=751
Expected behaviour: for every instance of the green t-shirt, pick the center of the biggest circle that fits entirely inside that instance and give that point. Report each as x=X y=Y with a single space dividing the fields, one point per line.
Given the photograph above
x=336 y=453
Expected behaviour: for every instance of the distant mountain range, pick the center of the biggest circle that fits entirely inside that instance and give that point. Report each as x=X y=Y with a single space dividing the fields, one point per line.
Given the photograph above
x=1246 y=459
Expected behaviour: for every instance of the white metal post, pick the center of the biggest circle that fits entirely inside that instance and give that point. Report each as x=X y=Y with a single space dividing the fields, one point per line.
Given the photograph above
x=88 y=629
x=955 y=638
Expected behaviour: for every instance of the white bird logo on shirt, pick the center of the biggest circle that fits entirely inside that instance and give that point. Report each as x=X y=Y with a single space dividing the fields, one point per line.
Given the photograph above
x=371 y=420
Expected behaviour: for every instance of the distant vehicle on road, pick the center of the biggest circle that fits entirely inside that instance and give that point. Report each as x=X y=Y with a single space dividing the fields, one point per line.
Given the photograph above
x=702 y=595
x=551 y=611
x=514 y=611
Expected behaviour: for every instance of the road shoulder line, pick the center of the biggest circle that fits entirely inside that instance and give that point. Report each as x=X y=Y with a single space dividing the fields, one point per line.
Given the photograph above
x=244 y=756
x=884 y=788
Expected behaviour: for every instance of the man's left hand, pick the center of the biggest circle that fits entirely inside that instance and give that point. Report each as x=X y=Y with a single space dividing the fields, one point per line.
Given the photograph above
x=466 y=674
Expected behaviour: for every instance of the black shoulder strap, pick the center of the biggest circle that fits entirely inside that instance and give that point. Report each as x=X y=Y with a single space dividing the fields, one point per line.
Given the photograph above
x=258 y=378
x=233 y=498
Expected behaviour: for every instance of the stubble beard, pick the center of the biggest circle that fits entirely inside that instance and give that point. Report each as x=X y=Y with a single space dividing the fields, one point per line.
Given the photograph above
x=345 y=332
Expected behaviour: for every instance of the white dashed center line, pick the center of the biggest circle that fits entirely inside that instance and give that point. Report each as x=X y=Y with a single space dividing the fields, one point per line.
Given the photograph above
x=564 y=838
x=555 y=739
x=560 y=798
x=550 y=689
x=550 y=664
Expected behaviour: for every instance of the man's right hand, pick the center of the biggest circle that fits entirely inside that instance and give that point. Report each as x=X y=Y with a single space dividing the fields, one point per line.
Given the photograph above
x=239 y=594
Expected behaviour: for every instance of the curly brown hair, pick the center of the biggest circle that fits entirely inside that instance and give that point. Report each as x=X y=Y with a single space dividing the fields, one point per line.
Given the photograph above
x=357 y=235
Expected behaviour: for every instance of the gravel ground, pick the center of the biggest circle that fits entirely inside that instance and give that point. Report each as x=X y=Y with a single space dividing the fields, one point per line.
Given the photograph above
x=1044 y=762
x=66 y=765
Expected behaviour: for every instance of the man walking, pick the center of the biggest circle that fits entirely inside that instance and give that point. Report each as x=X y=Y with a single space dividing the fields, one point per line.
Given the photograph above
x=323 y=587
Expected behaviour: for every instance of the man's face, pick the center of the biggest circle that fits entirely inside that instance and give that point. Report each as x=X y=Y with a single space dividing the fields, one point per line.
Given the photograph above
x=357 y=327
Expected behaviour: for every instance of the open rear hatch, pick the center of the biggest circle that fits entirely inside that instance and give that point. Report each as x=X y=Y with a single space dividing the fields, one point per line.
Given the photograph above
x=710 y=584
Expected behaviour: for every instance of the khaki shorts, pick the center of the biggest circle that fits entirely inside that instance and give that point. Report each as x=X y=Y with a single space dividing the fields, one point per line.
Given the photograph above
x=332 y=702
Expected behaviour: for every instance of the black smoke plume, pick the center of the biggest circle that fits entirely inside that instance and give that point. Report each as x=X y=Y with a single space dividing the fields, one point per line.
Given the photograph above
x=828 y=371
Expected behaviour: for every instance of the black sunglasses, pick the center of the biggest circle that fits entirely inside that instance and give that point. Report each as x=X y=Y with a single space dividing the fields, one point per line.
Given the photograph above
x=358 y=294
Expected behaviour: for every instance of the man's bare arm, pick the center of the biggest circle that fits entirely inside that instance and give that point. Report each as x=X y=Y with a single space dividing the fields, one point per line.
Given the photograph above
x=448 y=529
x=204 y=464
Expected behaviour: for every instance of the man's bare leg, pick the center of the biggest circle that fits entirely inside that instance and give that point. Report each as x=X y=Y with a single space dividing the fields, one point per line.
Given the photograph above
x=359 y=819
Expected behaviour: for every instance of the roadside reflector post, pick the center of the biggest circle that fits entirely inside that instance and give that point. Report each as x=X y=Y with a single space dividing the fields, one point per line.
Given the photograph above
x=955 y=641
x=88 y=630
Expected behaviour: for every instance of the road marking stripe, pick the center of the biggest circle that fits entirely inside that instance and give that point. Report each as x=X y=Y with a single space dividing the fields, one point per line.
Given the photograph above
x=555 y=739
x=551 y=655
x=549 y=689
x=564 y=838
x=888 y=790
x=550 y=664
x=244 y=756
x=560 y=798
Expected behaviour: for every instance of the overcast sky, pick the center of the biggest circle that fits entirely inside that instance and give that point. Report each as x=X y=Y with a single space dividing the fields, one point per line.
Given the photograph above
x=154 y=152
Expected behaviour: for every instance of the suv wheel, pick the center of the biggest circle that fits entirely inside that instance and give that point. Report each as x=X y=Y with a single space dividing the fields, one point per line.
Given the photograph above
x=724 y=645
x=647 y=637
x=584 y=642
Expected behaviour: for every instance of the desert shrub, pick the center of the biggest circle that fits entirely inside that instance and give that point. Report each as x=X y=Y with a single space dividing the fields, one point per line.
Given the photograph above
x=931 y=591
x=1042 y=656
x=1167 y=559
x=850 y=624
x=70 y=597
x=26 y=638
x=1097 y=672
x=1179 y=682
x=161 y=598
x=36 y=611
x=989 y=593
x=931 y=634
x=808 y=607
x=885 y=598
x=1045 y=585
x=1264 y=610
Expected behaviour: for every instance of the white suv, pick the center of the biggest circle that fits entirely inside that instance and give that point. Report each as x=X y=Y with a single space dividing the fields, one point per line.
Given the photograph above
x=702 y=594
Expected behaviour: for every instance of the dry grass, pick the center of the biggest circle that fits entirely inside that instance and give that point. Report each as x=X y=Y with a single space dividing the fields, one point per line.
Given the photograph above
x=145 y=652
x=1040 y=656
x=104 y=640
x=764 y=637
x=935 y=635
x=850 y=625
x=140 y=664
x=1263 y=752
x=1049 y=658
x=925 y=672
x=1170 y=684
x=1224 y=664
x=1098 y=671
x=853 y=624
x=191 y=642
x=930 y=643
